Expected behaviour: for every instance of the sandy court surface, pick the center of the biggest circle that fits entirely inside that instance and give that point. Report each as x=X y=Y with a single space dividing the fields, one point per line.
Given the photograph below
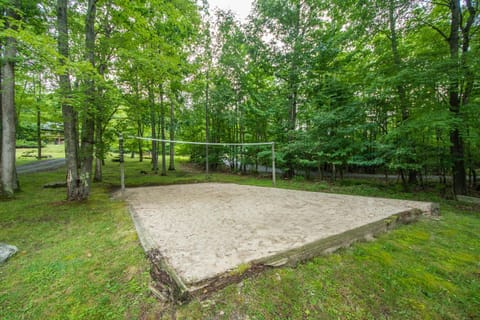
x=204 y=230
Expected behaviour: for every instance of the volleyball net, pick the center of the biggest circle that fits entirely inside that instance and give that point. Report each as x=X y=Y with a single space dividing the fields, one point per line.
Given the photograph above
x=209 y=147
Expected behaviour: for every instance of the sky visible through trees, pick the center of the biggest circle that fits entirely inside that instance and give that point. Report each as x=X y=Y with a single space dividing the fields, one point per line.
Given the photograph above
x=240 y=8
x=385 y=87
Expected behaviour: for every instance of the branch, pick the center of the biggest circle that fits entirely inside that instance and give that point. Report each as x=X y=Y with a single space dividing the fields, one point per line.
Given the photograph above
x=444 y=4
x=434 y=27
x=109 y=118
x=472 y=13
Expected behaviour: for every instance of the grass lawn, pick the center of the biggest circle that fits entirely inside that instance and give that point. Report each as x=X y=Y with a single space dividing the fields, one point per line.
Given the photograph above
x=84 y=261
x=51 y=151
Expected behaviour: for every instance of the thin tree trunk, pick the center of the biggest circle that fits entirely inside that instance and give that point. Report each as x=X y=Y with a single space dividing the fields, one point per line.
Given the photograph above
x=140 y=143
x=101 y=119
x=293 y=80
x=162 y=131
x=171 y=166
x=139 y=121
x=39 y=134
x=207 y=133
x=456 y=149
x=37 y=100
x=153 y=124
x=412 y=174
x=474 y=178
x=99 y=150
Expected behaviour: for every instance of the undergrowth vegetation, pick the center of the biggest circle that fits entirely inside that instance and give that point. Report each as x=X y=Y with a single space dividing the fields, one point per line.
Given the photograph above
x=84 y=260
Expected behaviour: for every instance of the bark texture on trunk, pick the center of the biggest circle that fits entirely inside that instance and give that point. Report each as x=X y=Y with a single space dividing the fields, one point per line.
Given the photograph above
x=1 y=121
x=88 y=129
x=68 y=112
x=9 y=183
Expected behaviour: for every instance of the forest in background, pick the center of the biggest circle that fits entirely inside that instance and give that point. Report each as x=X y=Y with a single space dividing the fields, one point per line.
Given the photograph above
x=376 y=86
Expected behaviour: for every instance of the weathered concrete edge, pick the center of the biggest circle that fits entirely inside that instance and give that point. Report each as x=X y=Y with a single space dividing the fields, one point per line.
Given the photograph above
x=343 y=240
x=169 y=286
x=166 y=285
x=146 y=241
x=432 y=211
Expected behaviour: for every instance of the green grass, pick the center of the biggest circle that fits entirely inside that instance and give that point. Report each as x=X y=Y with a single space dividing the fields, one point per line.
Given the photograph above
x=84 y=261
x=28 y=155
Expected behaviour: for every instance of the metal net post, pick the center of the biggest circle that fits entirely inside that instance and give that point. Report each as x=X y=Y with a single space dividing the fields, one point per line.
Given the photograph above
x=274 y=178
x=121 y=160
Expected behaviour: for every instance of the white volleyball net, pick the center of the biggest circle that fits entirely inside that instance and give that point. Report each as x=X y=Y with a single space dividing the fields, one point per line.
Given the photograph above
x=233 y=155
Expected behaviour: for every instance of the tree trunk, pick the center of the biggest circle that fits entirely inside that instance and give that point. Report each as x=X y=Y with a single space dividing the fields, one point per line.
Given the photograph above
x=153 y=124
x=207 y=132
x=293 y=83
x=162 y=131
x=88 y=129
x=68 y=112
x=99 y=150
x=456 y=149
x=1 y=112
x=101 y=120
x=9 y=185
x=397 y=61
x=140 y=143
x=171 y=166
x=39 y=132
x=140 y=128
x=474 y=179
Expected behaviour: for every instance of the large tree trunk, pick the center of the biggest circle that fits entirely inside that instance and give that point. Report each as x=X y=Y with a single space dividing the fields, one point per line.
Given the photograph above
x=9 y=183
x=1 y=121
x=68 y=112
x=88 y=128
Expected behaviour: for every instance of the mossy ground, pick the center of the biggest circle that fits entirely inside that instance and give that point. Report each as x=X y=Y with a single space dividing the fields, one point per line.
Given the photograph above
x=84 y=260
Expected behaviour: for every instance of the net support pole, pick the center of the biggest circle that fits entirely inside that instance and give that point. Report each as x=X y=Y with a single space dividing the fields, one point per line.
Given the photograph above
x=206 y=159
x=274 y=171
x=122 y=166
